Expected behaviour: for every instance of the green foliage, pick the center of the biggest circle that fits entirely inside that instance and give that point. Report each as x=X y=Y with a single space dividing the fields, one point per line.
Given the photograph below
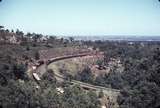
x=37 y=56
x=99 y=62
x=34 y=45
x=71 y=39
x=24 y=94
x=28 y=48
x=75 y=97
x=85 y=76
x=139 y=82
x=101 y=94
x=19 y=71
x=1 y=27
x=49 y=79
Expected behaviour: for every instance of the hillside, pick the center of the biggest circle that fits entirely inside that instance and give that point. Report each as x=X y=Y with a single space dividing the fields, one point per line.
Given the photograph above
x=50 y=72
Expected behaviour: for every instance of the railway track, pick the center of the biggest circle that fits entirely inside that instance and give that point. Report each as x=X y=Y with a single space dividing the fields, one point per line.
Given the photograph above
x=43 y=68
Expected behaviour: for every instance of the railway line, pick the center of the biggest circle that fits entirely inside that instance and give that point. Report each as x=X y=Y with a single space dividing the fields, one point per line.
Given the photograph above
x=41 y=69
x=108 y=91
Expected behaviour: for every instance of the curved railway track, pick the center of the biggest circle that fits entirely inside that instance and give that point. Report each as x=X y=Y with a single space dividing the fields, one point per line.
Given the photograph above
x=90 y=86
x=42 y=69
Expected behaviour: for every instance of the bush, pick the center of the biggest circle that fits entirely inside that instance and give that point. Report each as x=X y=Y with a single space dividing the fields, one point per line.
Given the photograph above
x=27 y=48
x=101 y=94
x=19 y=71
x=37 y=56
x=85 y=76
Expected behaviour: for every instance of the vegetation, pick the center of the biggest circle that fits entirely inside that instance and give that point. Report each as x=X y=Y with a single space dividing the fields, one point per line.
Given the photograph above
x=139 y=82
x=18 y=90
x=85 y=76
x=37 y=56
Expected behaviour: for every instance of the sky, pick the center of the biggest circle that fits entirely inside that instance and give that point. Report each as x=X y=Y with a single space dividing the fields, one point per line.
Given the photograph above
x=82 y=17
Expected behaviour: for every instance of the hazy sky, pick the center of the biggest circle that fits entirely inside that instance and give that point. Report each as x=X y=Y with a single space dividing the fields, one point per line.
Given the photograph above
x=82 y=17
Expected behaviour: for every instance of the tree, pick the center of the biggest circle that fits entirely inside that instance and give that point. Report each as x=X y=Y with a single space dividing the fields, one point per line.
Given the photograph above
x=37 y=56
x=27 y=48
x=19 y=33
x=71 y=39
x=75 y=97
x=99 y=63
x=29 y=35
x=3 y=80
x=12 y=31
x=48 y=78
x=52 y=39
x=19 y=71
x=101 y=94
x=7 y=31
x=86 y=75
x=36 y=37
x=1 y=27
x=93 y=99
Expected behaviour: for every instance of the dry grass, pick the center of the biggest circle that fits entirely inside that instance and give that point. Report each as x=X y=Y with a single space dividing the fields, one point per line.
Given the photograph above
x=69 y=65
x=74 y=65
